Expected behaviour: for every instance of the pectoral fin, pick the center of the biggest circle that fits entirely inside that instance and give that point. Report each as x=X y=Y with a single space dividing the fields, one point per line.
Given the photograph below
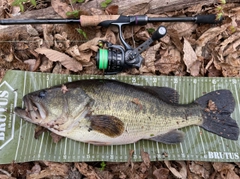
x=172 y=137
x=108 y=125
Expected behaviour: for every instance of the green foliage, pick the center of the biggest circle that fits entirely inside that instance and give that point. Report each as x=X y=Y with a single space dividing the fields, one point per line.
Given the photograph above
x=219 y=9
x=222 y=1
x=150 y=30
x=75 y=13
x=80 y=31
x=33 y=2
x=103 y=165
x=20 y=3
x=105 y=3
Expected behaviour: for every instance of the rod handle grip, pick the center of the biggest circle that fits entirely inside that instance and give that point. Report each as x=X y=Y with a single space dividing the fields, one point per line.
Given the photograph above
x=208 y=19
x=97 y=20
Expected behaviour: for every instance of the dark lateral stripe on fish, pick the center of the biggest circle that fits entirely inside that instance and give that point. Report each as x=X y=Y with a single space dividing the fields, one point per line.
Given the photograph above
x=108 y=125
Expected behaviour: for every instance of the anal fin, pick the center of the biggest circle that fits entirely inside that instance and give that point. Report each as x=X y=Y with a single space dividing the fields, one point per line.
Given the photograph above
x=172 y=137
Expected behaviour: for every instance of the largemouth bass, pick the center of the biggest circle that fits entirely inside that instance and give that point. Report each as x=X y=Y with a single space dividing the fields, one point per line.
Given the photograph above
x=108 y=112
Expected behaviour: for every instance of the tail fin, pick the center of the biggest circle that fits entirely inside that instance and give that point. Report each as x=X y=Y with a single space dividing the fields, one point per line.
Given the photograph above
x=217 y=108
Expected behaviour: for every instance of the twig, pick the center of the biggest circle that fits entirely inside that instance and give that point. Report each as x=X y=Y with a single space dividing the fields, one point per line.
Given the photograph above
x=5 y=172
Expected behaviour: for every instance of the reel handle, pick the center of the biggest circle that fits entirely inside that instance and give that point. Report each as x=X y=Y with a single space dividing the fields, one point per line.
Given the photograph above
x=159 y=33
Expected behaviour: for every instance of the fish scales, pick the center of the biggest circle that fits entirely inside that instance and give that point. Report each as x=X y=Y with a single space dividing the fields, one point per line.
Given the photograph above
x=151 y=110
x=107 y=112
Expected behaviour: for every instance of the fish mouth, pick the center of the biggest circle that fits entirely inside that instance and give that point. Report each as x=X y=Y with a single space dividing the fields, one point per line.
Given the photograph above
x=34 y=110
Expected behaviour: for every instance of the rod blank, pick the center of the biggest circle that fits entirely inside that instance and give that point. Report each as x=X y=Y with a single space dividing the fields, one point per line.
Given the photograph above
x=38 y=21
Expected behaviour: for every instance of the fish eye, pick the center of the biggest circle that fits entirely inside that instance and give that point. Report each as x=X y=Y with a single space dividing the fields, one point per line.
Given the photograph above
x=42 y=94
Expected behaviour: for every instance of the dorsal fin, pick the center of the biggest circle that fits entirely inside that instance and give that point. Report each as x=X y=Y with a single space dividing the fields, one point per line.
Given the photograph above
x=166 y=94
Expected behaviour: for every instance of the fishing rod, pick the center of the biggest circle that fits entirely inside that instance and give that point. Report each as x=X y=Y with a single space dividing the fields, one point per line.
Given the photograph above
x=115 y=58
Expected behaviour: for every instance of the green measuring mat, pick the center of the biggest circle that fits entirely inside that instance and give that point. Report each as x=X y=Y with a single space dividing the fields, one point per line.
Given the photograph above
x=17 y=142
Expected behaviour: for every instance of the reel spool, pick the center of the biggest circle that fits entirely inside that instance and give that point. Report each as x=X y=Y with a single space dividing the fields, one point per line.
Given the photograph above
x=111 y=60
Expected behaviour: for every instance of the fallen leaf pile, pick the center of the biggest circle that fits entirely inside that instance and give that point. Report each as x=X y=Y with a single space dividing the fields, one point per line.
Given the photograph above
x=188 y=49
x=132 y=170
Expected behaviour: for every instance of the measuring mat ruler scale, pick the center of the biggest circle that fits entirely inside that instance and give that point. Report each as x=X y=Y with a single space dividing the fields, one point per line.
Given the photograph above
x=205 y=110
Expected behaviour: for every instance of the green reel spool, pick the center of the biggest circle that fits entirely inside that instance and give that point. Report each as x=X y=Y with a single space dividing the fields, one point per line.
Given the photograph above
x=103 y=59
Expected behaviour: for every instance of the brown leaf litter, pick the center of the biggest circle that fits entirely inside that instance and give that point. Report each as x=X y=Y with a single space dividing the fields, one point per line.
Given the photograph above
x=141 y=170
x=64 y=59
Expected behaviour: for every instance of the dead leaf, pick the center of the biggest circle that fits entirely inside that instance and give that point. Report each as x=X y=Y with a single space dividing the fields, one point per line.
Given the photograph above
x=53 y=169
x=64 y=89
x=31 y=31
x=74 y=52
x=6 y=177
x=200 y=169
x=61 y=42
x=137 y=9
x=238 y=164
x=112 y=10
x=169 y=62
x=122 y=175
x=183 y=28
x=161 y=173
x=6 y=50
x=95 y=11
x=150 y=57
x=47 y=35
x=83 y=56
x=64 y=59
x=36 y=169
x=175 y=39
x=230 y=44
x=61 y=8
x=131 y=152
x=92 y=44
x=233 y=59
x=179 y=174
x=31 y=63
x=226 y=170
x=87 y=170
x=74 y=174
x=58 y=68
x=46 y=65
x=196 y=9
x=190 y=59
x=110 y=36
x=145 y=158
x=129 y=31
x=213 y=72
x=143 y=35
x=208 y=36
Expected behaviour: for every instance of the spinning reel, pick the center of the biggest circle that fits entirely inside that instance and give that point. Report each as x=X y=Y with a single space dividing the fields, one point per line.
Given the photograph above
x=116 y=58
